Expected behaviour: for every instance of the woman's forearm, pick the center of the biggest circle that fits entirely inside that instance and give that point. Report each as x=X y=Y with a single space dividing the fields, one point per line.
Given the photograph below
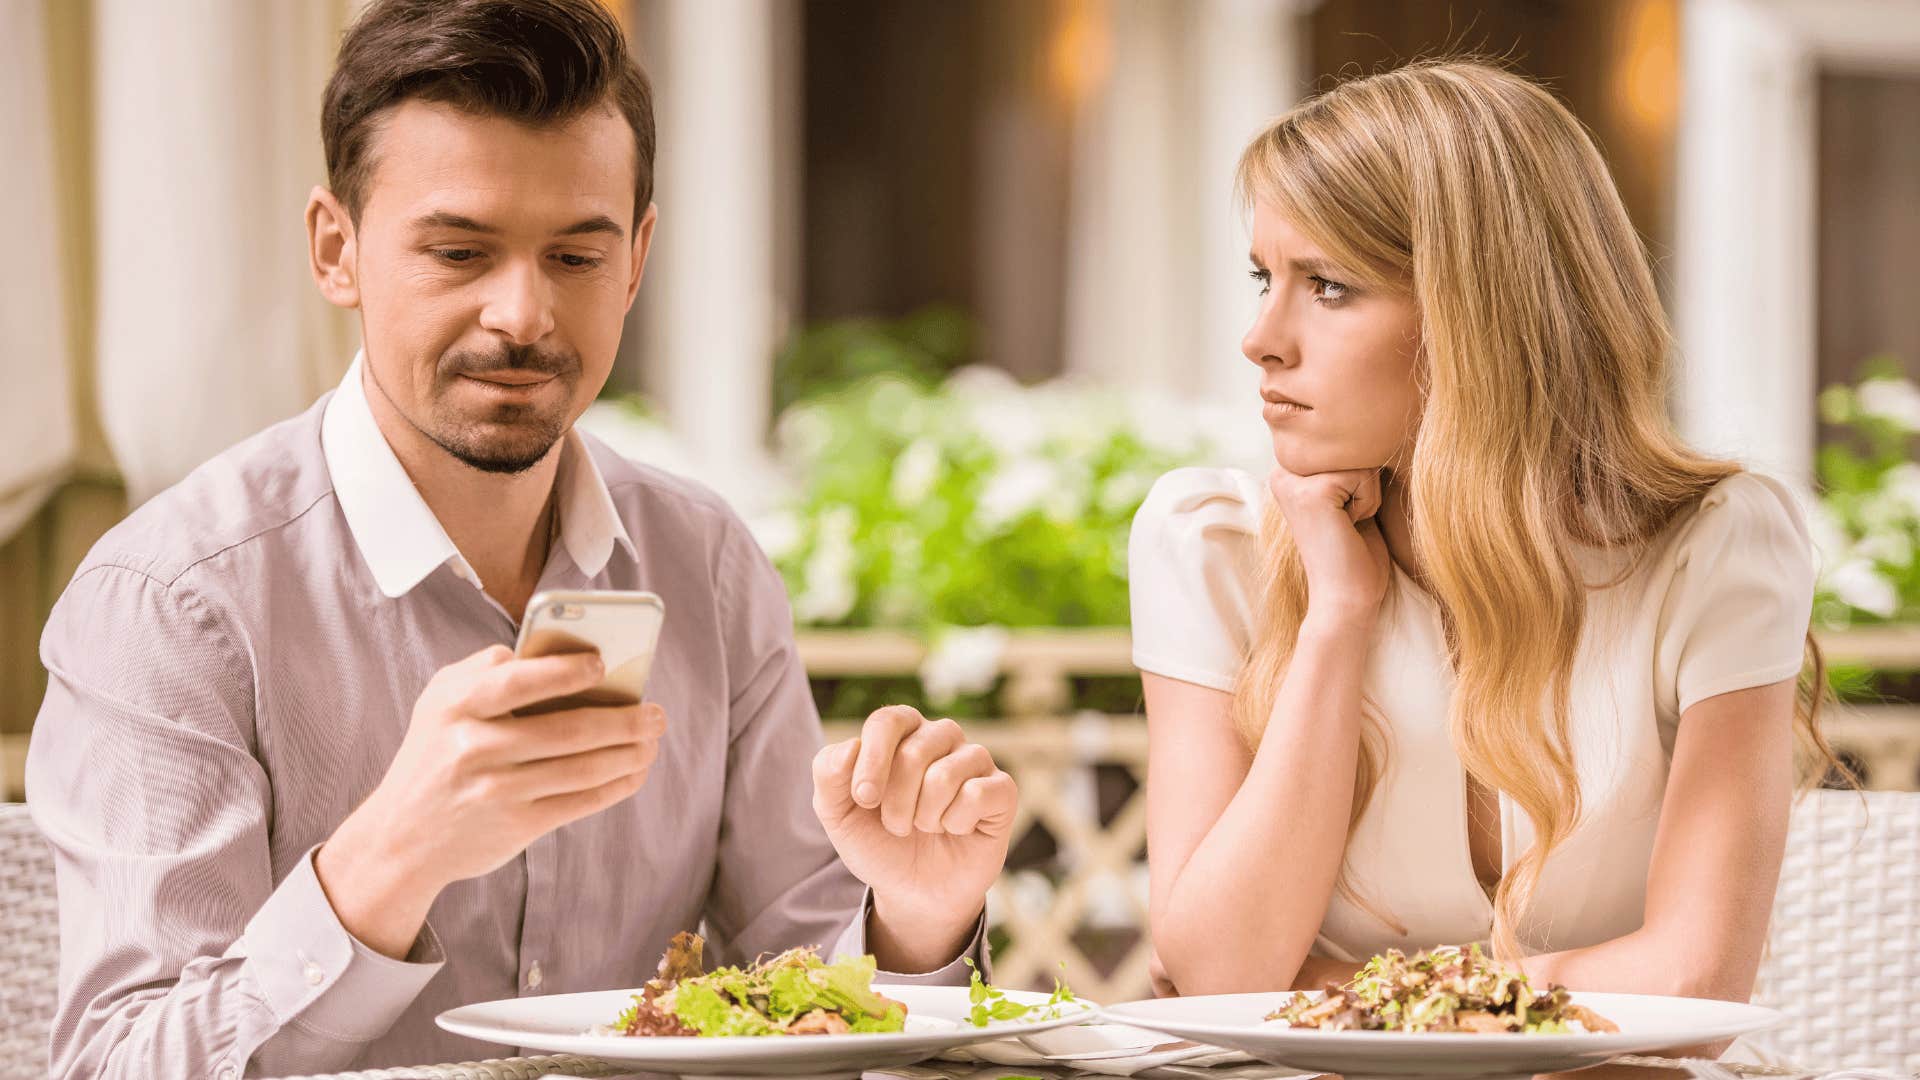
x=1244 y=909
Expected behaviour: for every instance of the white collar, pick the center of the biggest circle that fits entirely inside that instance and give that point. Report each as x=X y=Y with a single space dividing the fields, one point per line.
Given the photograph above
x=395 y=529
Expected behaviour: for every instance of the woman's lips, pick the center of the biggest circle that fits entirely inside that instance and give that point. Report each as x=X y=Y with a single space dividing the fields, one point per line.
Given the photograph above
x=1279 y=407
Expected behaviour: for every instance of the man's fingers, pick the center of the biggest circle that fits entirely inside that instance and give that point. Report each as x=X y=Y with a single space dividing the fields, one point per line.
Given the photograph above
x=560 y=810
x=833 y=780
x=538 y=780
x=942 y=784
x=881 y=734
x=574 y=731
x=985 y=804
x=900 y=797
x=500 y=689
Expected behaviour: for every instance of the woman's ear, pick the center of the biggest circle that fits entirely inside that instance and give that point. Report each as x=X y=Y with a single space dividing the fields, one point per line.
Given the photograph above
x=331 y=248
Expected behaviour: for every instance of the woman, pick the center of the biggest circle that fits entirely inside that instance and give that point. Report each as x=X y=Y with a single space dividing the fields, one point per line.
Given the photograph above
x=1490 y=655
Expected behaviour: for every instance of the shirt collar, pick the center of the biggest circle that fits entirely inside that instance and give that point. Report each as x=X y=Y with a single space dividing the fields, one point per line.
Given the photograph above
x=396 y=531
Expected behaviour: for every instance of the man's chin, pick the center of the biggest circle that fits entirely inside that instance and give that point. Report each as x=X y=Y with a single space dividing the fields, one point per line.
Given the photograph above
x=506 y=453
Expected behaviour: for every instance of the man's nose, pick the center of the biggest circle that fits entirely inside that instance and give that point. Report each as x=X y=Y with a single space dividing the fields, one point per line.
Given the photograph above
x=519 y=305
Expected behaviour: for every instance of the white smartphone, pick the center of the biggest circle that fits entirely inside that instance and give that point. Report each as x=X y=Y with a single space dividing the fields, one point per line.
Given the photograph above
x=623 y=626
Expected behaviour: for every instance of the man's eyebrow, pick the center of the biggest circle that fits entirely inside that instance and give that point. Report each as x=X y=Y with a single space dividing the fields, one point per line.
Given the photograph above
x=444 y=219
x=598 y=223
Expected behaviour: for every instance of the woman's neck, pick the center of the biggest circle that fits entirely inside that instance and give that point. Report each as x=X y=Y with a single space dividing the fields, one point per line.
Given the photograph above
x=1396 y=526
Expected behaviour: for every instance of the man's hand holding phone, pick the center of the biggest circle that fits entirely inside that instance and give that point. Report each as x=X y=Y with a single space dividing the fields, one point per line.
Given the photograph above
x=473 y=784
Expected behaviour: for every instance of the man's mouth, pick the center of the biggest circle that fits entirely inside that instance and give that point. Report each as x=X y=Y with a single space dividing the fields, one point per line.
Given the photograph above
x=512 y=378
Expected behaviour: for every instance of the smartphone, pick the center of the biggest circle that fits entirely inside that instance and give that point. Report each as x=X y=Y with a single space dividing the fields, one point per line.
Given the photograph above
x=623 y=626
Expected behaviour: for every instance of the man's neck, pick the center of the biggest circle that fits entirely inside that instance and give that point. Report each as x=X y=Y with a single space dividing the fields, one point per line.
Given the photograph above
x=501 y=523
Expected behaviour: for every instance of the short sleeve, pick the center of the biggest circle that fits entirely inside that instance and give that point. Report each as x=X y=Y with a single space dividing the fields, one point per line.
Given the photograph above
x=1190 y=565
x=1741 y=594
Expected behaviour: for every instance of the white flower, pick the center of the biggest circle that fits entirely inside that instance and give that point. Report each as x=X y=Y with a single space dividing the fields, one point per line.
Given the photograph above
x=915 y=472
x=963 y=660
x=779 y=533
x=1888 y=547
x=1893 y=399
x=1830 y=538
x=828 y=592
x=1007 y=417
x=803 y=432
x=1125 y=490
x=1017 y=487
x=1858 y=584
x=1900 y=486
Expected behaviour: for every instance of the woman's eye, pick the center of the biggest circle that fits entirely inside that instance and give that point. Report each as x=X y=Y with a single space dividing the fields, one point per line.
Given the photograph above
x=1265 y=279
x=1327 y=292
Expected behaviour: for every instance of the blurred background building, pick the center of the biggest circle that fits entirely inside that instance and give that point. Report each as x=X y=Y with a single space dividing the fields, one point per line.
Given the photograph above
x=861 y=198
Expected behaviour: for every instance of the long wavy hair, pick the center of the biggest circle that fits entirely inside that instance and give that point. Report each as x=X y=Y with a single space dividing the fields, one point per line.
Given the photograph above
x=1544 y=426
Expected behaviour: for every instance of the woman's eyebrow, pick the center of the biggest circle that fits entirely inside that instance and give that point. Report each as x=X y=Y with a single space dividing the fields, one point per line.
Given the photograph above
x=1312 y=266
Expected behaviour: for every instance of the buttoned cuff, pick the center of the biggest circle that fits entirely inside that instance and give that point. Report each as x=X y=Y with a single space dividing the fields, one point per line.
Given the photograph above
x=853 y=942
x=316 y=975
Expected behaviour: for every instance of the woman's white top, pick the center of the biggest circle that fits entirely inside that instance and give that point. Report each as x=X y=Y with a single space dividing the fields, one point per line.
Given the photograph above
x=1720 y=603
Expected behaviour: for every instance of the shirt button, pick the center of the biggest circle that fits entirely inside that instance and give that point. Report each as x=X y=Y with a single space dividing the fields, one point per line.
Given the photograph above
x=534 y=977
x=315 y=974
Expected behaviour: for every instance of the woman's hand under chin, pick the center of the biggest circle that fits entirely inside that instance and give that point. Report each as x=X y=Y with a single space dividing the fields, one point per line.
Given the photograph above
x=1331 y=518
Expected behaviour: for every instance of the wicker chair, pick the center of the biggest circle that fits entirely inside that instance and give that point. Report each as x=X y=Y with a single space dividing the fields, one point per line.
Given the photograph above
x=1843 y=962
x=1843 y=959
x=29 y=944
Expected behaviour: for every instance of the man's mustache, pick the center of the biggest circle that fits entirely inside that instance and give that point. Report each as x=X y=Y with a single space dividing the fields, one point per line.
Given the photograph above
x=509 y=358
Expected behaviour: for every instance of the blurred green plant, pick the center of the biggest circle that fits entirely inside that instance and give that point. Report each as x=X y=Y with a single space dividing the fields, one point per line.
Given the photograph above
x=1867 y=523
x=922 y=347
x=963 y=508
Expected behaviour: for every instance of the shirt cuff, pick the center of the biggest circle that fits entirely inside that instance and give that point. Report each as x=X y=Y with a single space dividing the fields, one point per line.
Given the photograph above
x=853 y=942
x=316 y=975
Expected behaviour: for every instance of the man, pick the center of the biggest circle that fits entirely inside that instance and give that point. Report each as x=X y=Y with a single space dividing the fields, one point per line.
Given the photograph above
x=294 y=813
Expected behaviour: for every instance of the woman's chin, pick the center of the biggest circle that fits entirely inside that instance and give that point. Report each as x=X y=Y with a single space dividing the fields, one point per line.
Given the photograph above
x=1307 y=460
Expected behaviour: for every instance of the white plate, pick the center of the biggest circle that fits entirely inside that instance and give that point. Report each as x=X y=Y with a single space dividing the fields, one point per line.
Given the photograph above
x=936 y=1022
x=1646 y=1024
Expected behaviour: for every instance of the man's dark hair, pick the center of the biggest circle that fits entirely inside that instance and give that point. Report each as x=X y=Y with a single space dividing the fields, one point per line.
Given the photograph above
x=539 y=62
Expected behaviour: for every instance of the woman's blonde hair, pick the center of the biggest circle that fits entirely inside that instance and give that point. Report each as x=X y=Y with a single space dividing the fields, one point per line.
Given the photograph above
x=1544 y=367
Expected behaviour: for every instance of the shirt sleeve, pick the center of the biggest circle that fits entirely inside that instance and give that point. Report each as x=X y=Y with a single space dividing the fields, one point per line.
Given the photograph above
x=1741 y=596
x=1190 y=575
x=180 y=954
x=779 y=883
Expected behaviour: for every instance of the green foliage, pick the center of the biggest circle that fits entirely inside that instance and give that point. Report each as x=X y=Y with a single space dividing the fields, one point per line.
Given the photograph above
x=922 y=348
x=977 y=502
x=1868 y=522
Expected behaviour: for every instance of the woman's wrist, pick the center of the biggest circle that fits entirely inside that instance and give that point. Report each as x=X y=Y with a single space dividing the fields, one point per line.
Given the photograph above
x=1343 y=624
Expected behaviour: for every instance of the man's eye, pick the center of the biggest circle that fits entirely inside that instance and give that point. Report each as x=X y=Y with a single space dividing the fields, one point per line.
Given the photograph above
x=579 y=262
x=455 y=255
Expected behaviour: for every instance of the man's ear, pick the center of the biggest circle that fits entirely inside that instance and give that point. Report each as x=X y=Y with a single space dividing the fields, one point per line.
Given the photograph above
x=331 y=249
x=642 y=243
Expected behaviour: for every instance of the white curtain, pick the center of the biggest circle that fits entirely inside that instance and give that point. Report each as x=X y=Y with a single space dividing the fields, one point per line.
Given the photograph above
x=206 y=144
x=1157 y=294
x=37 y=429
